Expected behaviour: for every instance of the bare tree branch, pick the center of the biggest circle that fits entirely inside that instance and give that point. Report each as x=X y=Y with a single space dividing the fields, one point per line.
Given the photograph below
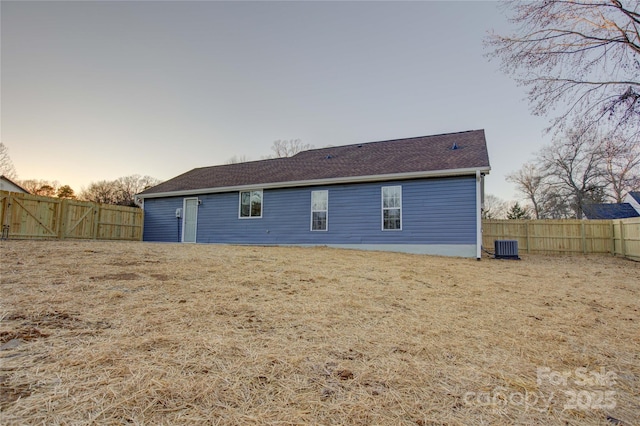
x=121 y=191
x=289 y=148
x=582 y=58
x=6 y=165
x=622 y=167
x=532 y=184
x=579 y=167
x=494 y=207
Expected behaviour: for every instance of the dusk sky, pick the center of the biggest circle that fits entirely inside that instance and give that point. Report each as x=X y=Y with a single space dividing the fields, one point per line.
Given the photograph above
x=99 y=90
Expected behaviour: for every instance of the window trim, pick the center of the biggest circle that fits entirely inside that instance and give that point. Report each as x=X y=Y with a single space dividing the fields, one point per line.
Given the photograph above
x=240 y=204
x=326 y=211
x=383 y=208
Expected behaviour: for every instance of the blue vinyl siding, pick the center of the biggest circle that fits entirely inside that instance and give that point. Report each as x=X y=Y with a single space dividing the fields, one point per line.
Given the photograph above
x=434 y=211
x=160 y=222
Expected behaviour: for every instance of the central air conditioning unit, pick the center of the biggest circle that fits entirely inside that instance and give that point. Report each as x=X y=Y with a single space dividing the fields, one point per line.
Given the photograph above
x=506 y=249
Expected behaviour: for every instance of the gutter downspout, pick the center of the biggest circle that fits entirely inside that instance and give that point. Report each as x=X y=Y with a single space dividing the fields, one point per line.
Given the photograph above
x=478 y=215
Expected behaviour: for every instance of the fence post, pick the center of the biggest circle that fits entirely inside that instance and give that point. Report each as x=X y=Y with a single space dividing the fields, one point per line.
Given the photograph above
x=4 y=209
x=4 y=222
x=623 y=247
x=613 y=238
x=96 y=218
x=528 y=239
x=584 y=238
x=7 y=215
x=62 y=219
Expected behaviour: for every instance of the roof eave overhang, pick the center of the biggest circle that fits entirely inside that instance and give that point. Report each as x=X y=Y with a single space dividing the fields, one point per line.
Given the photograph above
x=15 y=184
x=327 y=181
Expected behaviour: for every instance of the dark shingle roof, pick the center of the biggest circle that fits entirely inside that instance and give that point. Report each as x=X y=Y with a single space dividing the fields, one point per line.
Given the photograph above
x=609 y=211
x=635 y=195
x=419 y=154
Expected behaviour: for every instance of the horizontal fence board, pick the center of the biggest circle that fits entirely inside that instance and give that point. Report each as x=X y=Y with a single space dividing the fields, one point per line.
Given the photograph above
x=617 y=237
x=25 y=216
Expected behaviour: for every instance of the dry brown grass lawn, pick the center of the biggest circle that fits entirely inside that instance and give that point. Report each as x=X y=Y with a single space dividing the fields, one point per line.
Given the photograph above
x=113 y=333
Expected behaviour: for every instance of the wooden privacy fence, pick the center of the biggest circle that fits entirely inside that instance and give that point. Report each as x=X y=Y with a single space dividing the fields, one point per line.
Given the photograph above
x=25 y=216
x=616 y=237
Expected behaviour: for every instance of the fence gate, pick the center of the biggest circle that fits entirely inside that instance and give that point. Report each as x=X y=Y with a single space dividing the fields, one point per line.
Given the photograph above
x=80 y=220
x=30 y=216
x=25 y=216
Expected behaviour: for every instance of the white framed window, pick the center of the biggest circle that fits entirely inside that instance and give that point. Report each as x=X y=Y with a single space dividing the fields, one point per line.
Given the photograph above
x=392 y=208
x=319 y=210
x=250 y=204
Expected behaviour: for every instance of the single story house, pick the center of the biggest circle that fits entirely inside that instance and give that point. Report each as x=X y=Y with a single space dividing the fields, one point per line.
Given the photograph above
x=417 y=195
x=630 y=208
x=7 y=184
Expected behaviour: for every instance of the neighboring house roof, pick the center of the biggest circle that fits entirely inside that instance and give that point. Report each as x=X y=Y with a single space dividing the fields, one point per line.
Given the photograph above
x=609 y=211
x=12 y=185
x=438 y=155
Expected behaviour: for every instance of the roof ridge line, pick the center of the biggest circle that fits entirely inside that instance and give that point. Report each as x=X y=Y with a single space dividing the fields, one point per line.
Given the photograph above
x=390 y=140
x=243 y=162
x=340 y=146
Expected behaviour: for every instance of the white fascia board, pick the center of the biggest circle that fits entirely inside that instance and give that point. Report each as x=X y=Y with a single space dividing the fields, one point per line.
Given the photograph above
x=629 y=199
x=318 y=182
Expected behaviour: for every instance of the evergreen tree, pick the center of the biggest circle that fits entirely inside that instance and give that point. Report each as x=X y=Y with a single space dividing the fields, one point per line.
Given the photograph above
x=66 y=191
x=517 y=212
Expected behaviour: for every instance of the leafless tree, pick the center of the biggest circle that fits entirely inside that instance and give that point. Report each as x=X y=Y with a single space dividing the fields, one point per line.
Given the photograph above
x=121 y=191
x=580 y=56
x=40 y=187
x=47 y=191
x=127 y=187
x=573 y=165
x=540 y=191
x=102 y=191
x=556 y=205
x=622 y=167
x=237 y=159
x=494 y=207
x=289 y=148
x=6 y=165
x=531 y=182
x=578 y=168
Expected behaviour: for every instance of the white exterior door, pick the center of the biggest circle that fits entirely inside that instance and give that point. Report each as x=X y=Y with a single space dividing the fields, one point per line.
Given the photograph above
x=190 y=220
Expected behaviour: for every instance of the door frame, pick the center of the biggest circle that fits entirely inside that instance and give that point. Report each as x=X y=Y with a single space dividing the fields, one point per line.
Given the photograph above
x=184 y=219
